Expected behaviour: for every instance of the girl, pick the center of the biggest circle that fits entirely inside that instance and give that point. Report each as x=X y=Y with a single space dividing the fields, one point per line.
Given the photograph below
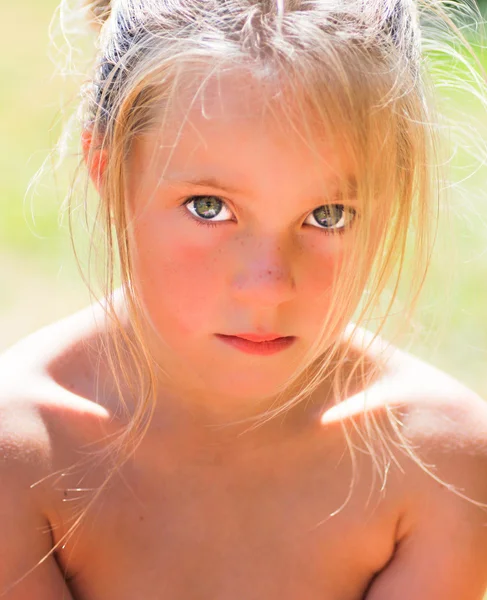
x=215 y=427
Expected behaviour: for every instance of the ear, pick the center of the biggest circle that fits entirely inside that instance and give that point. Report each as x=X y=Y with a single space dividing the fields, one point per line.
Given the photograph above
x=95 y=159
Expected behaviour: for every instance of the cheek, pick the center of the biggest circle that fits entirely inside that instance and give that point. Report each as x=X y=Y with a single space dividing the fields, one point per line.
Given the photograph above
x=184 y=277
x=322 y=266
x=179 y=282
x=326 y=267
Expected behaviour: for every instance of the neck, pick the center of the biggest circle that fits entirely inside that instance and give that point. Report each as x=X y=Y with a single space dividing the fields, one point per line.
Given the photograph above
x=191 y=406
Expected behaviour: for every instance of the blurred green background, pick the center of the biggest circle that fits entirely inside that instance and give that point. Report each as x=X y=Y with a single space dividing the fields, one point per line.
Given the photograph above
x=39 y=279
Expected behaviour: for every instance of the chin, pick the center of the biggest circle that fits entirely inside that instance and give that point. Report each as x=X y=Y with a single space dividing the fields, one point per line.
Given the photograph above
x=247 y=386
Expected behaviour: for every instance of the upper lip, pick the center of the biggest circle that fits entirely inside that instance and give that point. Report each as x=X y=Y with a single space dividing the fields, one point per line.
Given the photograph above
x=258 y=337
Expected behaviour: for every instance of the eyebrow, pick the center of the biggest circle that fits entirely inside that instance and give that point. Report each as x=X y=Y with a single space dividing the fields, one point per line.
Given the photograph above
x=214 y=182
x=209 y=181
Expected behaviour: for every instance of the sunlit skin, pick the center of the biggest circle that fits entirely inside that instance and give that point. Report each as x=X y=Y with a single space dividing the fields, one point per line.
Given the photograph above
x=266 y=266
x=196 y=513
x=267 y=261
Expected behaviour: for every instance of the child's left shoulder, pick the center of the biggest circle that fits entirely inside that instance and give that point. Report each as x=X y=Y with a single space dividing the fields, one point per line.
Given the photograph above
x=442 y=420
x=431 y=407
x=445 y=424
x=441 y=539
x=438 y=414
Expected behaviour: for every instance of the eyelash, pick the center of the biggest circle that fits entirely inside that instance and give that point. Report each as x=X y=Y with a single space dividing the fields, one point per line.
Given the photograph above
x=209 y=223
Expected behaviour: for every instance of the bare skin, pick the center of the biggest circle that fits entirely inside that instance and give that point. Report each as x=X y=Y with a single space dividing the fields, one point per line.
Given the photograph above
x=203 y=511
x=198 y=514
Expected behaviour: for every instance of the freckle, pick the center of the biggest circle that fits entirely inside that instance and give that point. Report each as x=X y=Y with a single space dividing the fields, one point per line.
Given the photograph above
x=141 y=518
x=65 y=493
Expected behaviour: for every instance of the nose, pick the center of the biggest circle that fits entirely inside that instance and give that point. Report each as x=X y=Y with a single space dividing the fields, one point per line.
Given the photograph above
x=264 y=275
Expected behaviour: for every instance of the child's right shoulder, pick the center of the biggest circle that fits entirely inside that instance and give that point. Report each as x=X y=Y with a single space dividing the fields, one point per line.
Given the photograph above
x=44 y=420
x=42 y=429
x=44 y=383
x=28 y=567
x=44 y=424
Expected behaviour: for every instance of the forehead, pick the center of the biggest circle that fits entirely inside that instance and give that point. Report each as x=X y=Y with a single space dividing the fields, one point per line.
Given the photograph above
x=243 y=130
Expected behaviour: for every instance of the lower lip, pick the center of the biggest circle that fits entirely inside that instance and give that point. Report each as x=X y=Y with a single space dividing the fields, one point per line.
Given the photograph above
x=262 y=348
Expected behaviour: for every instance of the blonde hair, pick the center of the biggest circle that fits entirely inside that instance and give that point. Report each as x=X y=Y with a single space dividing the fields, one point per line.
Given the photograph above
x=357 y=72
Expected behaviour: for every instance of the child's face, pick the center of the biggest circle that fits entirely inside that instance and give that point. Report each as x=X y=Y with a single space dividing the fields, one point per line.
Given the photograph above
x=266 y=265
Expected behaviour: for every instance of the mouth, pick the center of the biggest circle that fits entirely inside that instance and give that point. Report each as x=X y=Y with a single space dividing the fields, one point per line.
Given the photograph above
x=259 y=337
x=263 y=346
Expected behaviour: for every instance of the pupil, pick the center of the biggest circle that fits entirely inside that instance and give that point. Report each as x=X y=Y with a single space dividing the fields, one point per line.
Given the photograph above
x=207 y=206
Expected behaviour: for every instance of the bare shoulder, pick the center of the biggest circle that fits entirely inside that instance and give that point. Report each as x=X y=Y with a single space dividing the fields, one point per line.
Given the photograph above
x=430 y=407
x=58 y=366
x=441 y=417
x=444 y=424
x=41 y=419
x=47 y=410
x=434 y=428
x=28 y=567
x=441 y=413
x=32 y=448
x=48 y=422
x=423 y=417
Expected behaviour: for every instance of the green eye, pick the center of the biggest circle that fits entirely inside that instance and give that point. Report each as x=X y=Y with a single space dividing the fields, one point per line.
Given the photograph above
x=207 y=207
x=334 y=217
x=210 y=210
